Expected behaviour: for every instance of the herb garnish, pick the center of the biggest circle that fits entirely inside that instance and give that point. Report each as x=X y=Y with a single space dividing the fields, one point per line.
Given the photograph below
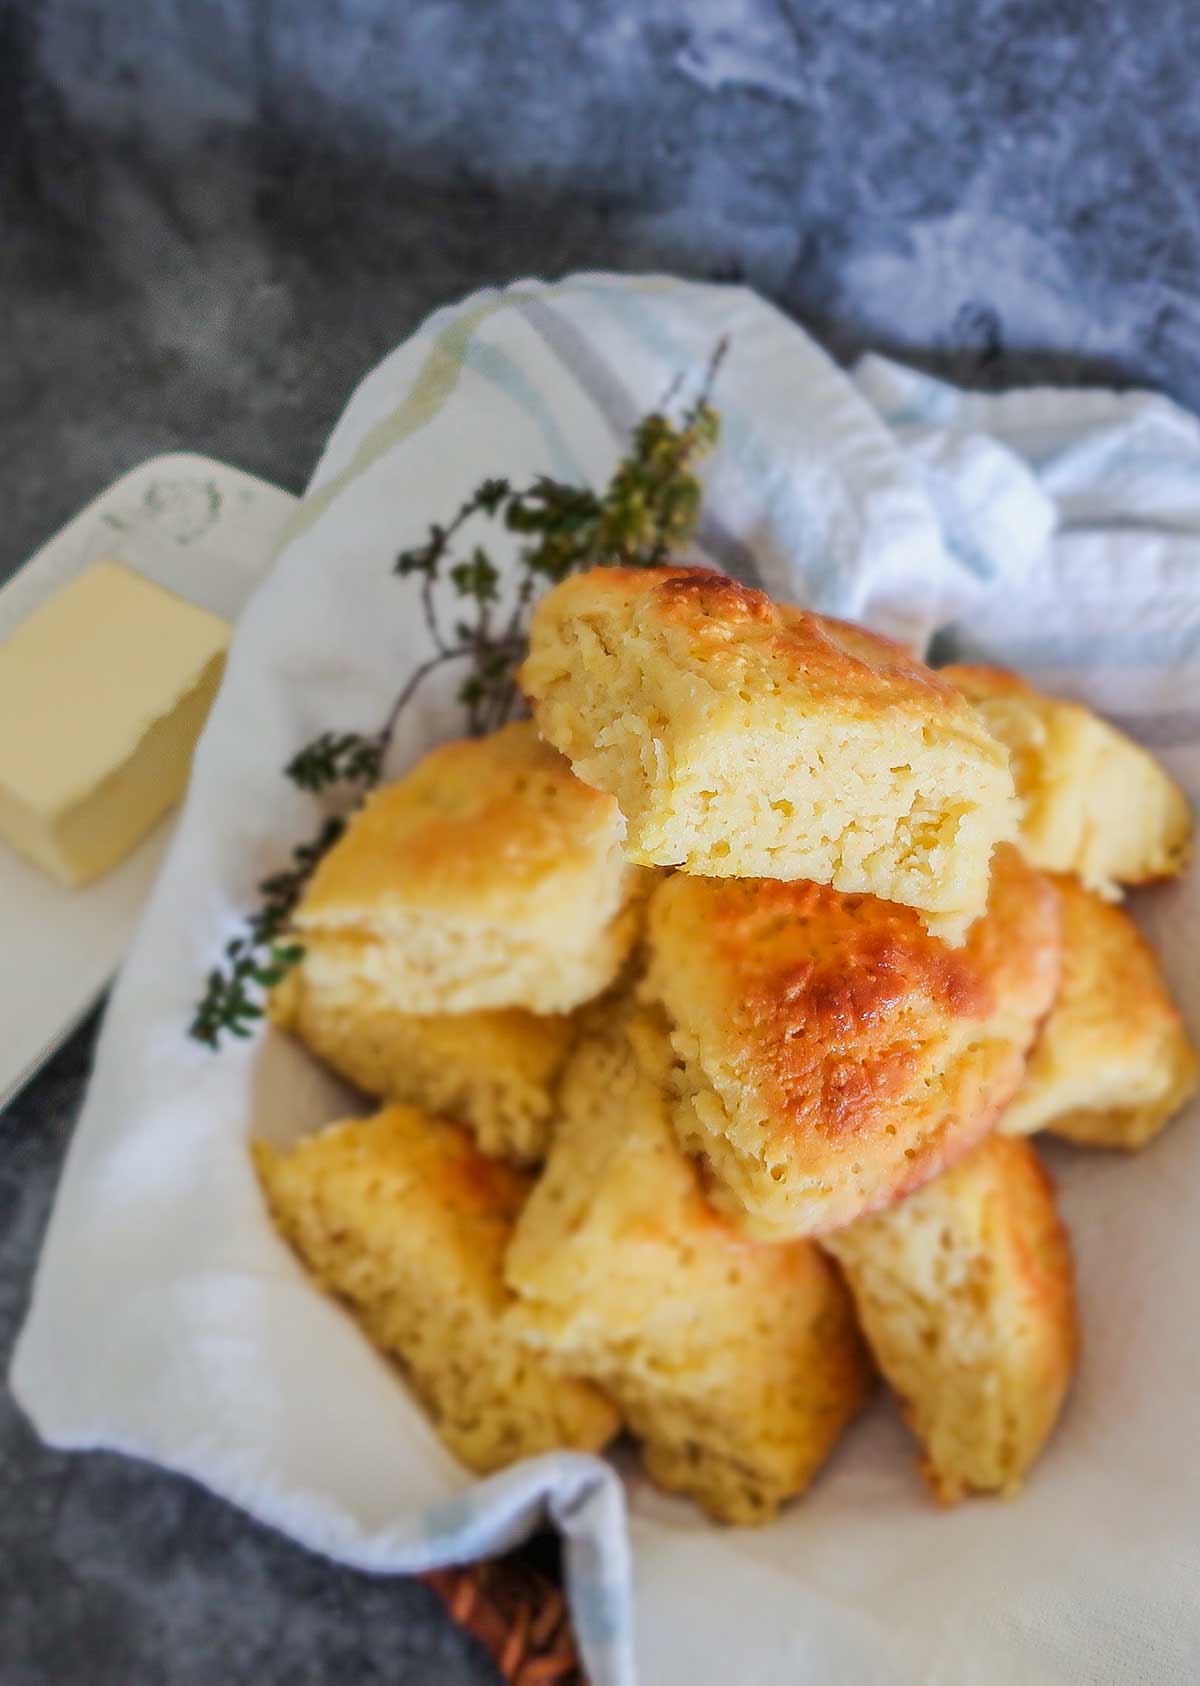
x=649 y=508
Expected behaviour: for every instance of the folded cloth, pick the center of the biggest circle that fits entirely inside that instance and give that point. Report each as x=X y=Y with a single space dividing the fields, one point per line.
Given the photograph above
x=1056 y=532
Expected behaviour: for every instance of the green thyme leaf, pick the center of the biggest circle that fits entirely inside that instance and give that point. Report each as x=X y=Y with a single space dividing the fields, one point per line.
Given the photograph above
x=648 y=510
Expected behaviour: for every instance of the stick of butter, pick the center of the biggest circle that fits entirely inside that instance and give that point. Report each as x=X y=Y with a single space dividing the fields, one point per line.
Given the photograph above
x=103 y=693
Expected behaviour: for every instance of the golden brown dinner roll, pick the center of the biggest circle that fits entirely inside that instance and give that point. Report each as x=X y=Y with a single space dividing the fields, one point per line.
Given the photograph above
x=830 y=1053
x=489 y=876
x=1094 y=802
x=736 y=1364
x=403 y=1218
x=966 y=1296
x=1113 y=1061
x=495 y=1072
x=745 y=738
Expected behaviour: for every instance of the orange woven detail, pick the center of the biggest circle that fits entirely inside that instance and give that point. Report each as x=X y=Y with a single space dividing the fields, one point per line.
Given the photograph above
x=517 y=1615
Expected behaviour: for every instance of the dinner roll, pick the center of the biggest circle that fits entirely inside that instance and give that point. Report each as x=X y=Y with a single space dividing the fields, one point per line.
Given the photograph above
x=832 y=1055
x=495 y=1072
x=745 y=738
x=1094 y=802
x=403 y=1218
x=966 y=1296
x=735 y=1364
x=1113 y=1061
x=489 y=876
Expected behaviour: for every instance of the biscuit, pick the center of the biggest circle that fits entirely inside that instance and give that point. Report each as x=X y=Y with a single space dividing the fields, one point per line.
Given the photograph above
x=1093 y=802
x=489 y=876
x=402 y=1218
x=1113 y=1061
x=832 y=1055
x=746 y=738
x=495 y=1072
x=966 y=1295
x=736 y=1364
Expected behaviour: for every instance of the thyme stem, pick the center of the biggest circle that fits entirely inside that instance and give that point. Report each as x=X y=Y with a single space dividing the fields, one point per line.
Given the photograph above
x=649 y=508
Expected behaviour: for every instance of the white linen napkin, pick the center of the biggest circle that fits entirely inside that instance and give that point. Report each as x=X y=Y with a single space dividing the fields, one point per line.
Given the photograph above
x=1057 y=531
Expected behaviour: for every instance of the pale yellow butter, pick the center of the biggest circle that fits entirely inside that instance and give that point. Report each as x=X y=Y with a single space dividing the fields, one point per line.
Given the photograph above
x=103 y=693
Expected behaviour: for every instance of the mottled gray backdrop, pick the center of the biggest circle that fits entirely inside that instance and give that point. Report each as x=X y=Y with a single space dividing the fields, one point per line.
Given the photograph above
x=216 y=214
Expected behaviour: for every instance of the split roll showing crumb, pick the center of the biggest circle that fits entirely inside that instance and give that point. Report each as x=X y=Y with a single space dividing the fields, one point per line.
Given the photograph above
x=736 y=1364
x=489 y=876
x=405 y=1220
x=1113 y=1062
x=966 y=1295
x=495 y=1072
x=745 y=738
x=1093 y=802
x=830 y=1053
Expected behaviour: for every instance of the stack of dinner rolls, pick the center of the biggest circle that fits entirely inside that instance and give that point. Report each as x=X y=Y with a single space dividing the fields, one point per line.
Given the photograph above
x=711 y=1010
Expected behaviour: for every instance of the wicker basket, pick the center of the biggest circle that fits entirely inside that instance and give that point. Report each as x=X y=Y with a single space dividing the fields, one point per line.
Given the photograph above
x=518 y=1614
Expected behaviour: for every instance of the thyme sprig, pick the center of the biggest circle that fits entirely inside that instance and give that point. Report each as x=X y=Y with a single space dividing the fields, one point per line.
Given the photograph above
x=259 y=959
x=649 y=508
x=336 y=758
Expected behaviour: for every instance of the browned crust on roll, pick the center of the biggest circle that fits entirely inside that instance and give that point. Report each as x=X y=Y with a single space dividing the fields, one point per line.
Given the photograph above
x=832 y=1054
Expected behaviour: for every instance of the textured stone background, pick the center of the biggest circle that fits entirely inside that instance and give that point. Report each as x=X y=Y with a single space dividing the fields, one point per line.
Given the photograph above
x=216 y=214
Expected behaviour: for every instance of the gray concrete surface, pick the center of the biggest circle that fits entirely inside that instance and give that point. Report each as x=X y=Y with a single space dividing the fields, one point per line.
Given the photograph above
x=216 y=214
